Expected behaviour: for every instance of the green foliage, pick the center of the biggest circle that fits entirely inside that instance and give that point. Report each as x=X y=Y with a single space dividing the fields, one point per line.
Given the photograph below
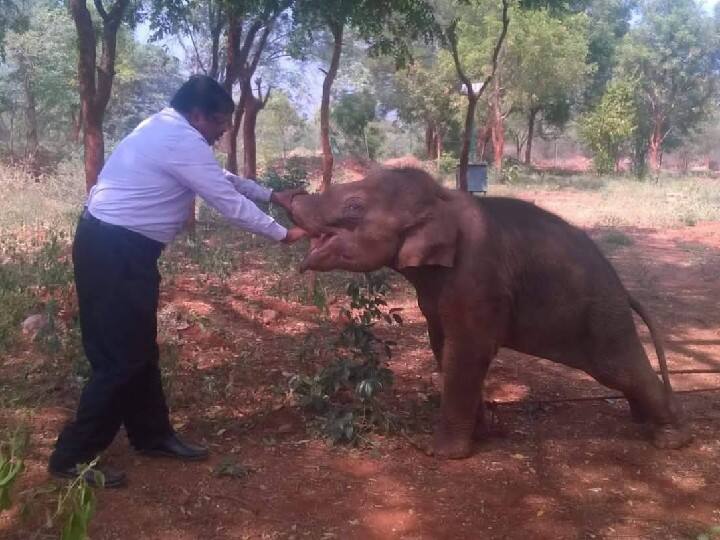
x=344 y=394
x=280 y=128
x=12 y=464
x=40 y=75
x=76 y=506
x=609 y=21
x=545 y=65
x=37 y=82
x=424 y=92
x=672 y=53
x=287 y=174
x=146 y=77
x=447 y=164
x=352 y=115
x=29 y=275
x=611 y=126
x=388 y=26
x=712 y=533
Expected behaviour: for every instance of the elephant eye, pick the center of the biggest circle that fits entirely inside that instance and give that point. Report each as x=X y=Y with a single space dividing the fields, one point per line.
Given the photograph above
x=354 y=209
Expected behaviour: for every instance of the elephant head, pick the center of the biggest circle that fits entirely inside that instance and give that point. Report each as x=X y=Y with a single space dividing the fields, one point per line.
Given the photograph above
x=399 y=218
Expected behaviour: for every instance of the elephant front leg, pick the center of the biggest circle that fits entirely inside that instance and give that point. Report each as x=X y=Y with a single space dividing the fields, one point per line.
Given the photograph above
x=437 y=340
x=465 y=367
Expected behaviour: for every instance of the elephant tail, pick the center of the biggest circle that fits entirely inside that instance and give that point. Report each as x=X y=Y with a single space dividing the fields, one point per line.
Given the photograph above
x=657 y=341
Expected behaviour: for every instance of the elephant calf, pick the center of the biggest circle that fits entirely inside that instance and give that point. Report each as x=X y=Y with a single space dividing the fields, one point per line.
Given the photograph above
x=491 y=273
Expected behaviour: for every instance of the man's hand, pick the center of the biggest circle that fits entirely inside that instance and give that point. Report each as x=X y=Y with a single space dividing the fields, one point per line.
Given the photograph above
x=284 y=198
x=293 y=235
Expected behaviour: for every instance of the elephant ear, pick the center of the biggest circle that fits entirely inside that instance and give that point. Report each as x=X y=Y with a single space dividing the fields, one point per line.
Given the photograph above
x=431 y=241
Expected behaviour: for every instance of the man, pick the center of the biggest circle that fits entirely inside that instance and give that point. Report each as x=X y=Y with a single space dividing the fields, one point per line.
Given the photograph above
x=142 y=199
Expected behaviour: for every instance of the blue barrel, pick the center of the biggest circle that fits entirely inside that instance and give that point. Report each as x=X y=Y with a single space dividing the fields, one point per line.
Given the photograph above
x=477 y=178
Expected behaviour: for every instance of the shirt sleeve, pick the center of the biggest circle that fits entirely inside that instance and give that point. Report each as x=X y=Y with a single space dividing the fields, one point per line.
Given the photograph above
x=193 y=164
x=251 y=189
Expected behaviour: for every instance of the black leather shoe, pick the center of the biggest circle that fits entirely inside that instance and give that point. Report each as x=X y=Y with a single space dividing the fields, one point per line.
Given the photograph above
x=173 y=447
x=113 y=478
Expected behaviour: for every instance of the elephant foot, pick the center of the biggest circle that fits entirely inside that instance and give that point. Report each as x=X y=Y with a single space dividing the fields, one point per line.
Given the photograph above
x=446 y=447
x=484 y=428
x=669 y=437
x=638 y=414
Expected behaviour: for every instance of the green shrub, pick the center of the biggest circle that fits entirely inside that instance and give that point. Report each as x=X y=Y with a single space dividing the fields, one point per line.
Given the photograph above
x=611 y=126
x=344 y=394
x=12 y=464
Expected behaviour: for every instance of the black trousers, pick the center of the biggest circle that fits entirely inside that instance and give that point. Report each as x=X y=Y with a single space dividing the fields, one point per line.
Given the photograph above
x=117 y=283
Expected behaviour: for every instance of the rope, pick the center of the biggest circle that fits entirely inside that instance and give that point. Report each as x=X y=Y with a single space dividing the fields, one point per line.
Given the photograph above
x=684 y=371
x=492 y=404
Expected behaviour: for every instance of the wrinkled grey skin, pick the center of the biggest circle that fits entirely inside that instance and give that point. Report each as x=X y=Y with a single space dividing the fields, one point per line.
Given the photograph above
x=491 y=273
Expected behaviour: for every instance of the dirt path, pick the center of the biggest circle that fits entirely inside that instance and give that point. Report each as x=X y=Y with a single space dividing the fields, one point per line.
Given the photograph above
x=570 y=470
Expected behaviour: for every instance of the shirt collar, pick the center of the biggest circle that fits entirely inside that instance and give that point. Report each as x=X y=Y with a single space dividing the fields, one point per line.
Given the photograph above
x=174 y=113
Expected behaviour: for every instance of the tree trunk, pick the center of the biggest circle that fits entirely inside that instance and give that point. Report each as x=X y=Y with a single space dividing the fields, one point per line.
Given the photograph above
x=438 y=147
x=240 y=69
x=232 y=161
x=483 y=137
x=233 y=65
x=655 y=148
x=249 y=142
x=253 y=106
x=94 y=144
x=337 y=32
x=431 y=136
x=498 y=125
x=31 y=134
x=530 y=132
x=465 y=148
x=216 y=22
x=471 y=94
x=12 y=133
x=95 y=79
x=76 y=124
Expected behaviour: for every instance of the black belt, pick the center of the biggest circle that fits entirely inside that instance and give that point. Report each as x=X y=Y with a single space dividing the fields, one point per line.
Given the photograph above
x=89 y=218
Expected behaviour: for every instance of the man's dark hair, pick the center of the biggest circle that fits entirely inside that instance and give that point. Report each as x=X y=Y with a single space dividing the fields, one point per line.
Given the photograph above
x=203 y=93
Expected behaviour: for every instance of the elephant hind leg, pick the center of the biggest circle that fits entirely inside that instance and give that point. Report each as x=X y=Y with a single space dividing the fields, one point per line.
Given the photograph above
x=628 y=370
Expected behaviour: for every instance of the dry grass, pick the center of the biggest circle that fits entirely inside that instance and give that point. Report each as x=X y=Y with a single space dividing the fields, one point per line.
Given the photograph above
x=623 y=201
x=52 y=201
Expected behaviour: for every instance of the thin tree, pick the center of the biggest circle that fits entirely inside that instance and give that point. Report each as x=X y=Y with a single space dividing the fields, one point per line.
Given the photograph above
x=253 y=105
x=472 y=94
x=95 y=78
x=387 y=25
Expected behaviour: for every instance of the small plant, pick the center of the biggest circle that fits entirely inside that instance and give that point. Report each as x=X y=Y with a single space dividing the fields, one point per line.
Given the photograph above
x=76 y=506
x=616 y=239
x=510 y=174
x=11 y=465
x=229 y=468
x=344 y=394
x=712 y=533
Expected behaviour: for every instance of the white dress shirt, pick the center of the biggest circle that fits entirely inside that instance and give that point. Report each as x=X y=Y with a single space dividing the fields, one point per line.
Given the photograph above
x=148 y=183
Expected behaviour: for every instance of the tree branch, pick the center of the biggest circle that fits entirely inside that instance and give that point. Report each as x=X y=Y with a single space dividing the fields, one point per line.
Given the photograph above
x=261 y=46
x=267 y=96
x=452 y=40
x=498 y=45
x=106 y=66
x=101 y=9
